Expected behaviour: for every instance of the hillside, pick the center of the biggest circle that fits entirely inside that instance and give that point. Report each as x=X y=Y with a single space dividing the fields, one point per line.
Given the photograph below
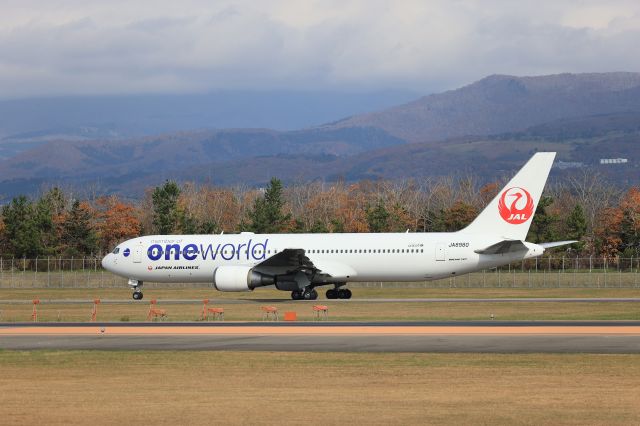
x=488 y=128
x=501 y=103
x=115 y=164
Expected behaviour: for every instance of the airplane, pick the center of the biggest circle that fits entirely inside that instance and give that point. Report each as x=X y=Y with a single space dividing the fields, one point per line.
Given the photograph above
x=299 y=263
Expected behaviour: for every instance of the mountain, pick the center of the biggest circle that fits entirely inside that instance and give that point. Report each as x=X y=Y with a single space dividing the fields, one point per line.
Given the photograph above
x=488 y=128
x=132 y=116
x=115 y=164
x=501 y=103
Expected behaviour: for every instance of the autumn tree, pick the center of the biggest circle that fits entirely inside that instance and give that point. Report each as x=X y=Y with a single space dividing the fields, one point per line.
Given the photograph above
x=630 y=222
x=608 y=239
x=205 y=209
x=117 y=221
x=3 y=236
x=165 y=208
x=458 y=216
x=49 y=215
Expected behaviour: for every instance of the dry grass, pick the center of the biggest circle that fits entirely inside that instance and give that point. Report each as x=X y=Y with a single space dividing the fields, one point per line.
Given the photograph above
x=270 y=293
x=354 y=310
x=405 y=311
x=41 y=387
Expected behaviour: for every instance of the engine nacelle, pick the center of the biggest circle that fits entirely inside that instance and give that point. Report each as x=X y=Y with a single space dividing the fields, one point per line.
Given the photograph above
x=239 y=278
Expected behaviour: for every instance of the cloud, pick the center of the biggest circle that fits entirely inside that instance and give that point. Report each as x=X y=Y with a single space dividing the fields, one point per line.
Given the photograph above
x=93 y=47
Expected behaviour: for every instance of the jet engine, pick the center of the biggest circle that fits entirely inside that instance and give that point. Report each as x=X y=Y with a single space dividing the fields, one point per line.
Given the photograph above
x=239 y=278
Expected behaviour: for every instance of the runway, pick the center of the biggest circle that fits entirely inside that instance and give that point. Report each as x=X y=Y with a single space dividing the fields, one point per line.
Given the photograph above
x=429 y=336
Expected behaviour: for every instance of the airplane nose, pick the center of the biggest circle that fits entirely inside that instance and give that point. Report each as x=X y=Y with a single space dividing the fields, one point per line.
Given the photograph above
x=107 y=262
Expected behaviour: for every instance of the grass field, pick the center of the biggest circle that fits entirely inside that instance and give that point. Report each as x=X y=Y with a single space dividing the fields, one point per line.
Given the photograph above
x=514 y=277
x=58 y=387
x=354 y=310
x=270 y=293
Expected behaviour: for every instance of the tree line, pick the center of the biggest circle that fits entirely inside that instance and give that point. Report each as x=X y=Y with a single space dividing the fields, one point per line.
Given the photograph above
x=605 y=220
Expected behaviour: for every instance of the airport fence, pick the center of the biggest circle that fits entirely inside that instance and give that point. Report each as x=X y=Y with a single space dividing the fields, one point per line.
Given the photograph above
x=546 y=272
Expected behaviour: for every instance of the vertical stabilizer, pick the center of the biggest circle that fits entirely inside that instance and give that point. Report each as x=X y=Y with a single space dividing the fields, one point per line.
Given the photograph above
x=509 y=214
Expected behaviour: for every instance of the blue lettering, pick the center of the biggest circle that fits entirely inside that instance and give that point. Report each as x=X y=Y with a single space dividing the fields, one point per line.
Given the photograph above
x=169 y=248
x=154 y=252
x=240 y=249
x=208 y=251
x=225 y=254
x=190 y=252
x=261 y=249
x=228 y=251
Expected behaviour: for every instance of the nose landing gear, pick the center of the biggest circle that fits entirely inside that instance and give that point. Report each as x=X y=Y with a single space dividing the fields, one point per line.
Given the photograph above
x=137 y=288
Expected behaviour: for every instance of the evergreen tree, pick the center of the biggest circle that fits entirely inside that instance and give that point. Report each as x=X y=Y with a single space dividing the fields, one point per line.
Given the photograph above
x=576 y=226
x=378 y=217
x=319 y=227
x=22 y=235
x=188 y=224
x=542 y=226
x=337 y=226
x=78 y=236
x=165 y=207
x=43 y=217
x=267 y=215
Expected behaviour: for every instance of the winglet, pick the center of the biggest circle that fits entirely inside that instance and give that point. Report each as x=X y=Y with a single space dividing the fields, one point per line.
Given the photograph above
x=556 y=244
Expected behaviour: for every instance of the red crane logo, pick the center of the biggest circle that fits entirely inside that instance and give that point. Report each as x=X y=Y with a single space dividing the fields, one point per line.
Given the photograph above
x=516 y=205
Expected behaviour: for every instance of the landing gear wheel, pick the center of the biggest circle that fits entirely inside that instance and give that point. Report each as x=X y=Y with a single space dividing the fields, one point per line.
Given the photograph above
x=137 y=295
x=310 y=295
x=296 y=295
x=332 y=294
x=344 y=293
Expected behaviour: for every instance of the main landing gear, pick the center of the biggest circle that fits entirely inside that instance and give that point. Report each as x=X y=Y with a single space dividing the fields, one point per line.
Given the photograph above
x=339 y=293
x=137 y=288
x=304 y=294
x=312 y=294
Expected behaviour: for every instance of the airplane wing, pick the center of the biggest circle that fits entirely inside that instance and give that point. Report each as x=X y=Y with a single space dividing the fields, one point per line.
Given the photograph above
x=291 y=261
x=505 y=246
x=286 y=262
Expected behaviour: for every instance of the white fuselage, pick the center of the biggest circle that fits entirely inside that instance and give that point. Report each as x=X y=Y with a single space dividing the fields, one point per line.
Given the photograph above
x=344 y=257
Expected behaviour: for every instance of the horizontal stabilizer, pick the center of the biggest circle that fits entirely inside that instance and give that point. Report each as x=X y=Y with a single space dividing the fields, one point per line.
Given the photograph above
x=556 y=244
x=506 y=246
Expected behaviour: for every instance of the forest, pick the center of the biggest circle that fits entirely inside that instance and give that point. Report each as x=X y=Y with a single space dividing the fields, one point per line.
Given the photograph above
x=603 y=218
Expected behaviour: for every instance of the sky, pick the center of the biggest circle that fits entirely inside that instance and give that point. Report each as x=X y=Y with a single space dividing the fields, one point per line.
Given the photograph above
x=89 y=47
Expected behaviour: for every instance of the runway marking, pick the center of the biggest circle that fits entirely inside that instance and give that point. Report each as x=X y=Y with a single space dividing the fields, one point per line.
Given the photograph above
x=317 y=331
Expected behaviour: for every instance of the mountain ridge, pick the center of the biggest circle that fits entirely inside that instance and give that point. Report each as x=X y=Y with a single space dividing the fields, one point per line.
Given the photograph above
x=502 y=103
x=488 y=126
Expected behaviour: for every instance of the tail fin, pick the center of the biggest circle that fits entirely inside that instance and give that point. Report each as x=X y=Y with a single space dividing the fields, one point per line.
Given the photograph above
x=509 y=214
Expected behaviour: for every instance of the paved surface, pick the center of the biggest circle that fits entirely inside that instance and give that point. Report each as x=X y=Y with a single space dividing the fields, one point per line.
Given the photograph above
x=499 y=337
x=418 y=300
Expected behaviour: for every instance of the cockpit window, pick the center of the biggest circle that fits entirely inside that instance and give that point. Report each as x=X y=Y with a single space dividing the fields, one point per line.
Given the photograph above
x=116 y=250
